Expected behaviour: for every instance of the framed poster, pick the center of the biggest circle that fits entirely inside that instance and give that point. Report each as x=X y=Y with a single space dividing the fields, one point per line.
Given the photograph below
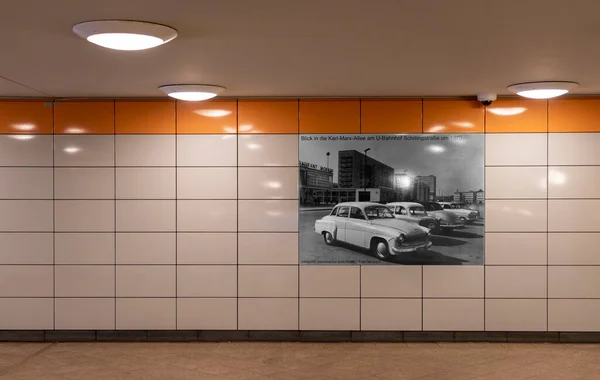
x=392 y=199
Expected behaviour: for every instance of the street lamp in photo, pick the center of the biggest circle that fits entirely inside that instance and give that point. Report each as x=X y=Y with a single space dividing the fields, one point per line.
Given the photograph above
x=328 y=159
x=365 y=169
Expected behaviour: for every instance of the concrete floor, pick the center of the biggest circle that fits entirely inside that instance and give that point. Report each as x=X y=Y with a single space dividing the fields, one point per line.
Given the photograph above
x=297 y=361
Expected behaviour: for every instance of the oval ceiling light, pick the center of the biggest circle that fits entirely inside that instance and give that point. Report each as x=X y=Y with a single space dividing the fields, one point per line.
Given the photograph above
x=192 y=92
x=124 y=34
x=542 y=90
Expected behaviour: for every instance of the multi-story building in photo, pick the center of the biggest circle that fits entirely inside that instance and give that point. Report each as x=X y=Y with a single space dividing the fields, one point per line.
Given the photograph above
x=355 y=170
x=430 y=181
x=316 y=183
x=469 y=197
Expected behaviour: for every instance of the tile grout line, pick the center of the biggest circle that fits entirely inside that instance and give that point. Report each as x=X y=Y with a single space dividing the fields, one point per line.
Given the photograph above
x=547 y=211
x=485 y=217
x=53 y=220
x=176 y=195
x=237 y=219
x=115 y=208
x=298 y=204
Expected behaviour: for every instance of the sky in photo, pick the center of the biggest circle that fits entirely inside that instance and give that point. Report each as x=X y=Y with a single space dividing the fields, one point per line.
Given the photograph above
x=456 y=160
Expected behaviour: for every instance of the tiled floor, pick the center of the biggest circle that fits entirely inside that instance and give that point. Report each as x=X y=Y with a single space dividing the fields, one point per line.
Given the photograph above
x=291 y=361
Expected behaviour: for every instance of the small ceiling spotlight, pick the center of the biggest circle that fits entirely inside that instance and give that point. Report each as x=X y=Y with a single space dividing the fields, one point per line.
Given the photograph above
x=192 y=92
x=125 y=34
x=542 y=90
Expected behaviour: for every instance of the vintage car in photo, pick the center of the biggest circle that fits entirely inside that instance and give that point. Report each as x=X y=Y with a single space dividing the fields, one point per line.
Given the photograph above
x=447 y=220
x=372 y=226
x=414 y=213
x=460 y=209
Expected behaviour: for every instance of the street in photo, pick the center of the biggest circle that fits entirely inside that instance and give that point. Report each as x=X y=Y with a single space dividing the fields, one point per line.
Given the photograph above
x=392 y=199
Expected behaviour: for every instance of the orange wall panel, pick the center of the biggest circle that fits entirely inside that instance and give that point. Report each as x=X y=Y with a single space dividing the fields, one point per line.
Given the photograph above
x=26 y=117
x=144 y=117
x=391 y=116
x=452 y=116
x=516 y=115
x=330 y=116
x=574 y=115
x=83 y=117
x=268 y=116
x=217 y=116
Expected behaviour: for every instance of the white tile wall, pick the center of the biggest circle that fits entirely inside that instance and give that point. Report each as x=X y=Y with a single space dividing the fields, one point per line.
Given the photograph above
x=516 y=281
x=268 y=216
x=453 y=314
x=182 y=264
x=268 y=313
x=516 y=149
x=516 y=248
x=516 y=215
x=26 y=314
x=268 y=150
x=84 y=216
x=453 y=281
x=145 y=150
x=146 y=314
x=207 y=248
x=573 y=149
x=145 y=183
x=573 y=248
x=84 y=183
x=516 y=182
x=146 y=215
x=329 y=314
x=207 y=313
x=207 y=183
x=84 y=248
x=393 y=314
x=146 y=248
x=207 y=215
x=515 y=314
x=85 y=313
x=206 y=150
x=26 y=216
x=563 y=215
x=268 y=281
x=268 y=183
x=26 y=248
x=268 y=248
x=146 y=280
x=76 y=150
x=36 y=150
x=26 y=183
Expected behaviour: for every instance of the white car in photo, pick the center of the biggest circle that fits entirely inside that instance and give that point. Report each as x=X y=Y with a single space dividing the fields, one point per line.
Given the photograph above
x=447 y=220
x=466 y=215
x=372 y=226
x=414 y=213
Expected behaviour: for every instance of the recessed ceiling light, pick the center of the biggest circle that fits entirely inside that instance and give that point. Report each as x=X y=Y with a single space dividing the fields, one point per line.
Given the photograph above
x=192 y=92
x=124 y=34
x=542 y=90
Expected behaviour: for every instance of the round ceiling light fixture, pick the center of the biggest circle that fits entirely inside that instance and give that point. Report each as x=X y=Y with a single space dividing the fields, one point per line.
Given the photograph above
x=125 y=34
x=192 y=92
x=542 y=90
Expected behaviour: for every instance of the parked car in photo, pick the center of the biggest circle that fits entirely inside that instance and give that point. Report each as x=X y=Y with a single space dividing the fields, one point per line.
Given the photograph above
x=447 y=220
x=460 y=209
x=414 y=213
x=372 y=226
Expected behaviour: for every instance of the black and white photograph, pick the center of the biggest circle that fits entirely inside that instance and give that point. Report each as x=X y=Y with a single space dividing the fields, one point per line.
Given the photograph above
x=392 y=199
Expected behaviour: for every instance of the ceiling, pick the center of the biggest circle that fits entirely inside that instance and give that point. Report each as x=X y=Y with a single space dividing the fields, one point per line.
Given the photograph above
x=271 y=48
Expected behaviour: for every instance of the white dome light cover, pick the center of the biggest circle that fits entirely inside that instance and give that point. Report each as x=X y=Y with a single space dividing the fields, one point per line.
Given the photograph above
x=125 y=34
x=542 y=90
x=192 y=92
